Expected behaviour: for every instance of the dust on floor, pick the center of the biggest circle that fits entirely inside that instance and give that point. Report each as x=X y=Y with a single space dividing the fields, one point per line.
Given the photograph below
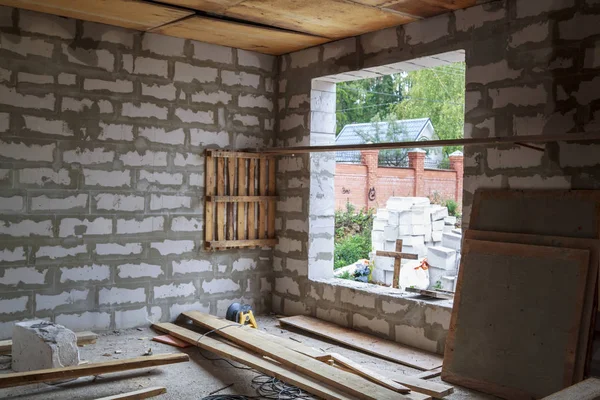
x=192 y=380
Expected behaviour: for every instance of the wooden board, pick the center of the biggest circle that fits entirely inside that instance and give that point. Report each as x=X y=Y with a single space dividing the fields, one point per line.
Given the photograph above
x=434 y=389
x=220 y=192
x=209 y=210
x=216 y=6
x=342 y=380
x=335 y=19
x=272 y=202
x=407 y=256
x=231 y=167
x=251 y=192
x=241 y=207
x=428 y=374
x=368 y=374
x=586 y=390
x=133 y=14
x=242 y=36
x=59 y=374
x=257 y=362
x=515 y=321
x=431 y=293
x=366 y=343
x=591 y=281
x=83 y=338
x=427 y=8
x=138 y=394
x=262 y=207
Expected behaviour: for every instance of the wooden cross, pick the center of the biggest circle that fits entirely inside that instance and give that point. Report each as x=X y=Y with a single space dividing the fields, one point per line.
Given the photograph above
x=398 y=255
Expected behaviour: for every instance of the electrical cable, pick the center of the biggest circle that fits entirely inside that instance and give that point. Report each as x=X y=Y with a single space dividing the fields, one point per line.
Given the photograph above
x=267 y=387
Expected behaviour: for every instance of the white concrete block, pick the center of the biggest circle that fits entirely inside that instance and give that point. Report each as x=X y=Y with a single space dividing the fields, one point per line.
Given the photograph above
x=171 y=290
x=89 y=157
x=136 y=226
x=169 y=202
x=79 y=227
x=450 y=220
x=25 y=77
x=54 y=252
x=94 y=177
x=119 y=202
x=42 y=345
x=150 y=66
x=144 y=110
x=412 y=230
x=436 y=236
x=163 y=45
x=185 y=224
x=231 y=78
x=12 y=203
x=255 y=101
x=161 y=178
x=22 y=151
x=160 y=135
x=26 y=46
x=441 y=257
x=408 y=240
x=50 y=302
x=379 y=224
x=390 y=232
x=142 y=270
x=437 y=226
x=43 y=176
x=85 y=321
x=44 y=202
x=148 y=158
x=24 y=275
x=105 y=249
x=439 y=213
x=26 y=228
x=191 y=116
x=167 y=247
x=189 y=73
x=117 y=86
x=16 y=254
x=452 y=241
x=183 y=267
x=116 y=295
x=116 y=132
x=87 y=273
x=188 y=159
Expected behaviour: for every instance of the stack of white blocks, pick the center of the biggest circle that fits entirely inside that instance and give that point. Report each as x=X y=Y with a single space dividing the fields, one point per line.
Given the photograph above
x=421 y=226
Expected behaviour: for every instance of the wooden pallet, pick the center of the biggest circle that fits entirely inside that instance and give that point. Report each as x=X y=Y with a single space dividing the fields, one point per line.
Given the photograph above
x=240 y=200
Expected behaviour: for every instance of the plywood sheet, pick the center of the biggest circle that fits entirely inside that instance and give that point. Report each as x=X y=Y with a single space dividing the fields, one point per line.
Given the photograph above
x=573 y=213
x=366 y=343
x=216 y=6
x=515 y=321
x=132 y=14
x=593 y=246
x=333 y=19
x=242 y=36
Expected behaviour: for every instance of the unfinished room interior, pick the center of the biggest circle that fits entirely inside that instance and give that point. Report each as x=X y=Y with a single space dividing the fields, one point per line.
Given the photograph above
x=169 y=201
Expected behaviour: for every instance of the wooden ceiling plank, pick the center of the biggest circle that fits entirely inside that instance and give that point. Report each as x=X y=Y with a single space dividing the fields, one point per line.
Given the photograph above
x=334 y=19
x=133 y=14
x=215 y=6
x=247 y=37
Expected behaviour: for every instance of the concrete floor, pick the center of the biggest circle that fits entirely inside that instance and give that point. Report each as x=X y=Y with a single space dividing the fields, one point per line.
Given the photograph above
x=191 y=380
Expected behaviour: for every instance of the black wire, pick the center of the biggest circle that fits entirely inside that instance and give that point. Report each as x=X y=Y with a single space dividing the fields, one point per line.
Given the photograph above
x=267 y=387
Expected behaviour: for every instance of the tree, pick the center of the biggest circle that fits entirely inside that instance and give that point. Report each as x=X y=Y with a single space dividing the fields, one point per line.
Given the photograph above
x=436 y=93
x=439 y=94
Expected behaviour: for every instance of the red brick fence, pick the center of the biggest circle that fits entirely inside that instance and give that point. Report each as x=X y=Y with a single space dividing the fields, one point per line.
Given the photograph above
x=369 y=185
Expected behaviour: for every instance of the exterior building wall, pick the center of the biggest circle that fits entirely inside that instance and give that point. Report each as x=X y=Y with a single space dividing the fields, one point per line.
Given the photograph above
x=532 y=69
x=102 y=136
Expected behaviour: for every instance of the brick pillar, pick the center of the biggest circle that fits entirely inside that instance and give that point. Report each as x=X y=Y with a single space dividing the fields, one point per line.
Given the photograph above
x=457 y=164
x=416 y=161
x=370 y=158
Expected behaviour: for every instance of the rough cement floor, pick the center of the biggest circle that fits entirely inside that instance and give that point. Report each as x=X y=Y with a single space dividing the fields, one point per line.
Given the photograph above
x=191 y=380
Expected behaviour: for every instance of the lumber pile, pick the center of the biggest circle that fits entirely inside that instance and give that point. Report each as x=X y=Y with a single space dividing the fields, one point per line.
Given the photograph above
x=526 y=294
x=328 y=376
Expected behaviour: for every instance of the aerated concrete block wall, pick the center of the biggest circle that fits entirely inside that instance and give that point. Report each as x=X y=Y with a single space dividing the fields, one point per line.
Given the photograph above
x=102 y=136
x=532 y=69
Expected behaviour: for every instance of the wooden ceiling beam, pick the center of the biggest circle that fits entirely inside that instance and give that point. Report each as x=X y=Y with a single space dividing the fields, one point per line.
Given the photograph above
x=133 y=14
x=243 y=36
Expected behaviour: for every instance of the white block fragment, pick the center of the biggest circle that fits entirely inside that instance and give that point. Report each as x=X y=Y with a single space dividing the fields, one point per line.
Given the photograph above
x=41 y=344
x=452 y=241
x=439 y=213
x=441 y=257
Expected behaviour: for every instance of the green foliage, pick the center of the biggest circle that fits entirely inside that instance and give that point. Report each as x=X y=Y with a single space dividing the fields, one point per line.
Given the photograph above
x=351 y=249
x=437 y=286
x=452 y=207
x=352 y=235
x=436 y=93
x=346 y=275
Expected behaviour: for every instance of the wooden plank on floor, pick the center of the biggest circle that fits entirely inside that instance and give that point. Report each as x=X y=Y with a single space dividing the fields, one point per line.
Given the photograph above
x=242 y=36
x=368 y=374
x=58 y=374
x=428 y=374
x=138 y=394
x=345 y=381
x=366 y=343
x=588 y=312
x=83 y=338
x=431 y=293
x=242 y=191
x=243 y=356
x=133 y=14
x=586 y=390
x=533 y=300
x=434 y=389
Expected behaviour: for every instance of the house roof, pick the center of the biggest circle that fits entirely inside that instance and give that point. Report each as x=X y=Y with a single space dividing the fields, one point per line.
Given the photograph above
x=410 y=130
